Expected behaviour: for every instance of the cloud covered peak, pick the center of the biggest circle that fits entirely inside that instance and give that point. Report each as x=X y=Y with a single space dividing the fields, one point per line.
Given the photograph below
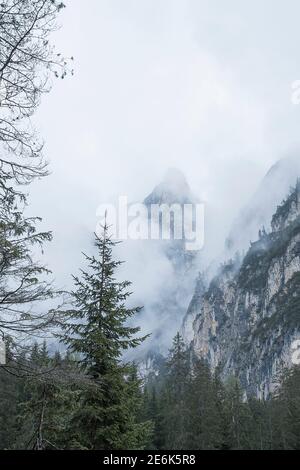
x=173 y=189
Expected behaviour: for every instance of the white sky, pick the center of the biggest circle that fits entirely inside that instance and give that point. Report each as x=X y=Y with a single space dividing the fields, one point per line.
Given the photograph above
x=204 y=86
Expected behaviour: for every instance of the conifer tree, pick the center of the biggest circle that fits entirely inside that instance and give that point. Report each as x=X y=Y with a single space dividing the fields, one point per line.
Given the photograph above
x=286 y=410
x=48 y=401
x=176 y=414
x=153 y=411
x=205 y=416
x=23 y=280
x=99 y=331
x=238 y=415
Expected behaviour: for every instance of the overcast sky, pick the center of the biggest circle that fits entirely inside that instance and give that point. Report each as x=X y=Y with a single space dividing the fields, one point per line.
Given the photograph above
x=204 y=86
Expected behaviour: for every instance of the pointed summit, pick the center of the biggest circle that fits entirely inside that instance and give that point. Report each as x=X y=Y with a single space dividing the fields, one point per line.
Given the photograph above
x=173 y=189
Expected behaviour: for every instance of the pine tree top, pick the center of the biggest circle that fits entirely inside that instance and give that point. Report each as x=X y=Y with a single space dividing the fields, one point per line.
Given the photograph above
x=99 y=329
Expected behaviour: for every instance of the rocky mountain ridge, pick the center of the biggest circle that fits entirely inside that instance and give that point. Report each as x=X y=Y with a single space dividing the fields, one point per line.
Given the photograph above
x=245 y=322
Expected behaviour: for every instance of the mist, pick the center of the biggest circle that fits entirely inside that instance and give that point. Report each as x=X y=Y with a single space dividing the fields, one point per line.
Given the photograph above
x=197 y=85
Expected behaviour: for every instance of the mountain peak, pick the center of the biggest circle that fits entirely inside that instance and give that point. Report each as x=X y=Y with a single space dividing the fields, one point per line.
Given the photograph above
x=173 y=189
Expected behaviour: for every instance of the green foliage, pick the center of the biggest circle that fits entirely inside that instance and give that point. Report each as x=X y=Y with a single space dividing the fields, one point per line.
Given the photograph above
x=45 y=400
x=175 y=416
x=204 y=413
x=206 y=419
x=199 y=413
x=99 y=332
x=22 y=280
x=9 y=396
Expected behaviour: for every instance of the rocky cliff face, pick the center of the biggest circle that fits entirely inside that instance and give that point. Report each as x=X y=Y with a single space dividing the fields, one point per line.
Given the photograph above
x=247 y=320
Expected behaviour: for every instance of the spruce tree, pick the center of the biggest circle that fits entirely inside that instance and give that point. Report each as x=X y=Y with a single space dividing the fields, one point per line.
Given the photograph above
x=48 y=401
x=99 y=331
x=23 y=280
x=175 y=398
x=205 y=414
x=238 y=415
x=286 y=410
x=153 y=410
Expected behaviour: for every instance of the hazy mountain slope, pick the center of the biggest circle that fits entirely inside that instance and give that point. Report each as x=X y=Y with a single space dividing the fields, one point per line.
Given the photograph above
x=249 y=316
x=258 y=212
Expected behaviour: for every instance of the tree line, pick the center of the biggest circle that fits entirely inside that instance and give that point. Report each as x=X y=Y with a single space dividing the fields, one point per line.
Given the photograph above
x=60 y=401
x=191 y=408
